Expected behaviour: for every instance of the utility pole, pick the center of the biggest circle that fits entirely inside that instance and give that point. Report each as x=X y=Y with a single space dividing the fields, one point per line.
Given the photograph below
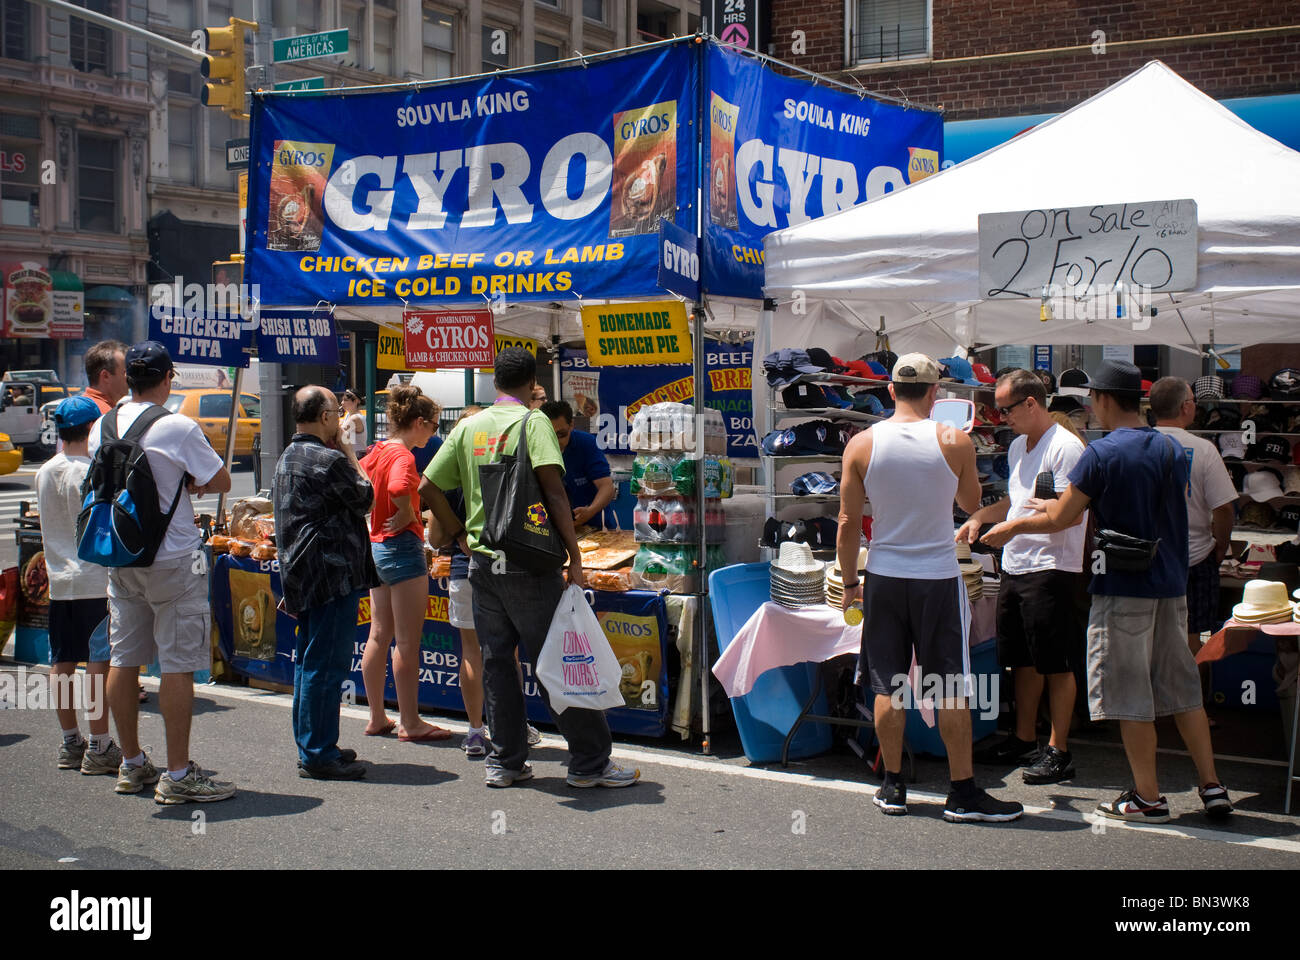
x=121 y=26
x=269 y=375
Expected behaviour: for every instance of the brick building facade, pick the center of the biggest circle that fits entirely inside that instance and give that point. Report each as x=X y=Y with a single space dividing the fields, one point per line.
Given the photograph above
x=986 y=58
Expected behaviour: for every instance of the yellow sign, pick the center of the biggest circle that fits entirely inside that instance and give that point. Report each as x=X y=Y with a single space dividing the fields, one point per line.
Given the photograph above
x=392 y=352
x=632 y=334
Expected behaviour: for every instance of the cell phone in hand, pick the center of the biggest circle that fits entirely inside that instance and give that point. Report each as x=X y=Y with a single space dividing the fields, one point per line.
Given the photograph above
x=1045 y=486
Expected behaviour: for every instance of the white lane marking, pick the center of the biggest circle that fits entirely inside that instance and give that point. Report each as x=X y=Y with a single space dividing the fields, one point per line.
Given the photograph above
x=811 y=780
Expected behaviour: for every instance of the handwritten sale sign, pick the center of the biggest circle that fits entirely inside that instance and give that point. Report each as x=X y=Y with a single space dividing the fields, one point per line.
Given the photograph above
x=437 y=339
x=1088 y=249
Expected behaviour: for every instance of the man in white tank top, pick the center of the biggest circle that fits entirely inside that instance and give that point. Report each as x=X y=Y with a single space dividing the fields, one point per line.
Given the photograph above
x=914 y=600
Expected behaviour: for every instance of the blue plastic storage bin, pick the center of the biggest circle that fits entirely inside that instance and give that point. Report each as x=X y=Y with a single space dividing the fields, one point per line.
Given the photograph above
x=1229 y=676
x=765 y=715
x=984 y=665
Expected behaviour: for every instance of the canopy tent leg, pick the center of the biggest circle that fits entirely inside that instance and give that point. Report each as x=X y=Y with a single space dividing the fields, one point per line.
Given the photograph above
x=232 y=425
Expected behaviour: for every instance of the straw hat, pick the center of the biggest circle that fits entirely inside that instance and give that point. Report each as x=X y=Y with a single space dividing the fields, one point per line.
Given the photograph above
x=797 y=580
x=1262 y=601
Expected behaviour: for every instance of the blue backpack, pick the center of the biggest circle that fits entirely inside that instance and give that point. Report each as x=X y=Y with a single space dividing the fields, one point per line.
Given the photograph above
x=121 y=523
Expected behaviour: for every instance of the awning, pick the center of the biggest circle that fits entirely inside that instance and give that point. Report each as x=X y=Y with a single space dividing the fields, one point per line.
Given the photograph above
x=63 y=280
x=1277 y=116
x=105 y=294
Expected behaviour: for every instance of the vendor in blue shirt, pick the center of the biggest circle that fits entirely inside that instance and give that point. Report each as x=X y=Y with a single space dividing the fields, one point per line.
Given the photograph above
x=586 y=471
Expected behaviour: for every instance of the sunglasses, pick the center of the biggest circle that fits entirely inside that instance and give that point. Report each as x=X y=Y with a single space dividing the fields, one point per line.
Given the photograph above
x=1005 y=410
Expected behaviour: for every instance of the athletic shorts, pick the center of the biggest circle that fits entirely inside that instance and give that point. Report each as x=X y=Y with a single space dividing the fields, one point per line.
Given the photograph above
x=1139 y=666
x=71 y=624
x=460 y=604
x=1041 y=623
x=160 y=613
x=1203 y=595
x=400 y=558
x=930 y=618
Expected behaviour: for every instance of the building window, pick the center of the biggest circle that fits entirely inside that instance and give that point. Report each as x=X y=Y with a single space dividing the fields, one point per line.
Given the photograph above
x=180 y=141
x=220 y=129
x=891 y=30
x=544 y=52
x=385 y=40
x=550 y=3
x=97 y=184
x=496 y=49
x=15 y=29
x=20 y=167
x=594 y=10
x=88 y=42
x=439 y=45
x=180 y=14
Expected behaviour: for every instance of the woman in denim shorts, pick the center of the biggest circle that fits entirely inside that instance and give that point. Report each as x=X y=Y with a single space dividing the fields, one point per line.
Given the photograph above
x=397 y=542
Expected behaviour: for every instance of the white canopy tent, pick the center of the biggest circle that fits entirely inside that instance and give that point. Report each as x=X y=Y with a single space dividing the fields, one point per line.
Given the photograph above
x=909 y=261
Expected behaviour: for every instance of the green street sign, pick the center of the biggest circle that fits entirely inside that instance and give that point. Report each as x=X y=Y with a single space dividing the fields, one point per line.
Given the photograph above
x=307 y=83
x=324 y=44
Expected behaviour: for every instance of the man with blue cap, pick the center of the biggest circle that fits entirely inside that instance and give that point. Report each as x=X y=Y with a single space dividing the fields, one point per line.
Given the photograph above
x=78 y=591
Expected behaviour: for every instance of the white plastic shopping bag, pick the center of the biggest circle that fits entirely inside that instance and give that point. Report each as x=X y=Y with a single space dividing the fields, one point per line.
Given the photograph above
x=577 y=666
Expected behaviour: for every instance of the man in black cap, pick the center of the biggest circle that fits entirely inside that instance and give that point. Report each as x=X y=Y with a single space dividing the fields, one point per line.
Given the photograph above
x=1139 y=666
x=160 y=612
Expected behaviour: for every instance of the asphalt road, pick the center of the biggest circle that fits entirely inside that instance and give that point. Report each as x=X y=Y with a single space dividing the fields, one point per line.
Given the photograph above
x=425 y=806
x=21 y=486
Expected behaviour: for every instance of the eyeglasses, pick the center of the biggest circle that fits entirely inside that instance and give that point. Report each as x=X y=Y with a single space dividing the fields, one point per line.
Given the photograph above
x=1005 y=410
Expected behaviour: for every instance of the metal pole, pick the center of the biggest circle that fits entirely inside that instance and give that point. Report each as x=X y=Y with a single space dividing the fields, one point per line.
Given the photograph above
x=121 y=26
x=231 y=428
x=270 y=376
x=372 y=363
x=702 y=591
x=555 y=357
x=469 y=385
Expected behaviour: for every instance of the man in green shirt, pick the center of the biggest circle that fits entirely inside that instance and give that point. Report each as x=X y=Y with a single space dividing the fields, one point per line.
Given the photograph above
x=513 y=605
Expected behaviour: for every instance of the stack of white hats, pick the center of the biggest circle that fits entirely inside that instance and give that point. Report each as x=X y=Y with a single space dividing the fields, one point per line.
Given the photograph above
x=972 y=571
x=1263 y=601
x=797 y=579
x=835 y=580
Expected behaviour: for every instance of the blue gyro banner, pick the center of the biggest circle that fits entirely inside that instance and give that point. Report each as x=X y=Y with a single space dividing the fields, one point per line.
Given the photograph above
x=215 y=340
x=783 y=151
x=296 y=336
x=679 y=260
x=539 y=186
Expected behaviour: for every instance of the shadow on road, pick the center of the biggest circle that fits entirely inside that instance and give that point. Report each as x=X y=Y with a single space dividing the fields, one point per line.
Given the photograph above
x=245 y=805
x=406 y=774
x=645 y=793
x=9 y=739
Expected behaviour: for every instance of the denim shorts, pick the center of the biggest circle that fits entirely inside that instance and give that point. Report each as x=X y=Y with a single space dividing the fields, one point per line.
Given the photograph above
x=400 y=558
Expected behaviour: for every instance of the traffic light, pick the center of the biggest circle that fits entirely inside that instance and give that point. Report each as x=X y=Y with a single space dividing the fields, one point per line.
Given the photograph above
x=224 y=63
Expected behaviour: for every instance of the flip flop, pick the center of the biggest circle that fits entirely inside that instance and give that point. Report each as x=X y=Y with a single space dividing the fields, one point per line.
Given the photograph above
x=433 y=733
x=389 y=728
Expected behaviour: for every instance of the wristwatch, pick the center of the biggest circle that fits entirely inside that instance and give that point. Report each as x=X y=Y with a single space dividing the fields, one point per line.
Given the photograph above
x=853 y=586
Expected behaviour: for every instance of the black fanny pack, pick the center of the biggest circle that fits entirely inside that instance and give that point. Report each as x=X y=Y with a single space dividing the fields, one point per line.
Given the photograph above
x=1128 y=554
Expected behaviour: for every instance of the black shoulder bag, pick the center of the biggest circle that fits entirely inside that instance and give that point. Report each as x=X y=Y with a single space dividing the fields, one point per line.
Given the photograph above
x=1128 y=554
x=515 y=519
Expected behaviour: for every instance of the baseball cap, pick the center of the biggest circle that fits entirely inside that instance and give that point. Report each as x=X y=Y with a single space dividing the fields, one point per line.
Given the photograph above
x=1290 y=479
x=147 y=357
x=915 y=368
x=822 y=532
x=820 y=358
x=1224 y=417
x=959 y=369
x=1288 y=518
x=1262 y=485
x=812 y=483
x=1208 y=388
x=1274 y=449
x=1072 y=383
x=784 y=367
x=1231 y=446
x=1247 y=387
x=777 y=532
x=1285 y=384
x=1258 y=515
x=805 y=396
x=982 y=373
x=74 y=411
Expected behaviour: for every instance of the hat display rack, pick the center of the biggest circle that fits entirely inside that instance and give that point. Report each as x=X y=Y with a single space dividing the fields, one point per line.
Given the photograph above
x=1266 y=504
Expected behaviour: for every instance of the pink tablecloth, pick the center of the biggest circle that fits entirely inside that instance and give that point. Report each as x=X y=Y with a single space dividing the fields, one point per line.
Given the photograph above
x=777 y=636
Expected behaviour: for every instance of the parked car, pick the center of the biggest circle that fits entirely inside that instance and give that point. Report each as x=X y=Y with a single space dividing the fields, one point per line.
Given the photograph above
x=211 y=410
x=11 y=457
x=19 y=416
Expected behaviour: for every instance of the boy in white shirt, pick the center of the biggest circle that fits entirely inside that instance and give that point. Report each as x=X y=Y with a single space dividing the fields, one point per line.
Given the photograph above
x=77 y=595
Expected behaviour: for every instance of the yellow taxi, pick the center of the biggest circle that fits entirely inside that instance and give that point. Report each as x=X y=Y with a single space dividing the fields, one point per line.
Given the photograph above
x=11 y=457
x=210 y=409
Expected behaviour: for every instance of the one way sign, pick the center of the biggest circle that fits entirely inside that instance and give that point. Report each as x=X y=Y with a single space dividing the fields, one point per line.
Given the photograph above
x=237 y=154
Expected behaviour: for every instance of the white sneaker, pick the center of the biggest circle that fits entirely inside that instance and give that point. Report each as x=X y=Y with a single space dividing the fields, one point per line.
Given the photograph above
x=612 y=776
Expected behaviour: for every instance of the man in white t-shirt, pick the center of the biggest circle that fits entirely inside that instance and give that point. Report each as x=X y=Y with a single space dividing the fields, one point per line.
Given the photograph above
x=1042 y=600
x=160 y=612
x=1210 y=496
x=77 y=589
